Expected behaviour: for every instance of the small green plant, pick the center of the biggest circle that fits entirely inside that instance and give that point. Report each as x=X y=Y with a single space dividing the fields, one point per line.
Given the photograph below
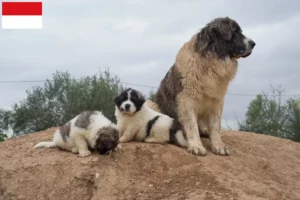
x=3 y=137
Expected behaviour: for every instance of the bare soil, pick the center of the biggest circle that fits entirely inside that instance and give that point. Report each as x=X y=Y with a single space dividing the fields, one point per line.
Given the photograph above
x=259 y=167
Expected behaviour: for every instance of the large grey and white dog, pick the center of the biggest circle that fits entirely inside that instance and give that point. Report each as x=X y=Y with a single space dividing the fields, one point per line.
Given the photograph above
x=193 y=90
x=88 y=130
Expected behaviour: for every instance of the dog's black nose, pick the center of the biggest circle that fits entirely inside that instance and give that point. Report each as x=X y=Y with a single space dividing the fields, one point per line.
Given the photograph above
x=252 y=43
x=127 y=106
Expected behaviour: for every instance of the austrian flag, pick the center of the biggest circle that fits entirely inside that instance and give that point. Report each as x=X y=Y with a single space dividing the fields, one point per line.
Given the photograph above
x=22 y=15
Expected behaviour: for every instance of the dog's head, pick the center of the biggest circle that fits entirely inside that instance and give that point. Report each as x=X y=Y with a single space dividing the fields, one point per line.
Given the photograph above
x=107 y=139
x=224 y=37
x=129 y=101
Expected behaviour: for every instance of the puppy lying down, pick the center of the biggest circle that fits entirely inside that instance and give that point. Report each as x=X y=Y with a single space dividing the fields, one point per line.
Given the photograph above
x=136 y=121
x=88 y=130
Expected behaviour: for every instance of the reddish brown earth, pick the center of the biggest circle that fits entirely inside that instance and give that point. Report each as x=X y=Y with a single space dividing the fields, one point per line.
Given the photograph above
x=260 y=167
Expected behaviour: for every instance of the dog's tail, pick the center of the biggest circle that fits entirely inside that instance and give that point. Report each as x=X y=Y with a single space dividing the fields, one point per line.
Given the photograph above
x=45 y=145
x=180 y=139
x=176 y=134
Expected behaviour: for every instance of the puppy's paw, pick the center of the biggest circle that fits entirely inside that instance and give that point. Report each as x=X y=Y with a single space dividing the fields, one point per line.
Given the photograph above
x=74 y=150
x=196 y=149
x=219 y=148
x=84 y=153
x=123 y=140
x=118 y=148
x=155 y=140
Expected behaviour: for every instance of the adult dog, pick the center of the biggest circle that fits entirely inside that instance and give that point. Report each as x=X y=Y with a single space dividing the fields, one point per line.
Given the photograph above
x=89 y=129
x=136 y=121
x=193 y=90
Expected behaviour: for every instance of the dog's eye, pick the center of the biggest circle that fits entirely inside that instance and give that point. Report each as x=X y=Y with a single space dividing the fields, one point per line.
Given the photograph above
x=123 y=99
x=234 y=34
x=133 y=98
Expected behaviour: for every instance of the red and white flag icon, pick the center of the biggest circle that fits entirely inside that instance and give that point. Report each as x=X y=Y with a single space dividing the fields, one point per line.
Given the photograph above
x=22 y=15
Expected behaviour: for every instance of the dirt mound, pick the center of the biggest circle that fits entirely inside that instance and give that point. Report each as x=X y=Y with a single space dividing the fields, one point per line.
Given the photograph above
x=260 y=167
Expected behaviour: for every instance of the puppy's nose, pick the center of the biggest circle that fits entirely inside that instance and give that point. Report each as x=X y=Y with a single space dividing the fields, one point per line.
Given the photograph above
x=127 y=106
x=252 y=43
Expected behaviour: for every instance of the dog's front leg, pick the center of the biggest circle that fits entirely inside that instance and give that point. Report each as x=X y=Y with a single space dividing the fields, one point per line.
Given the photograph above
x=188 y=119
x=81 y=146
x=214 y=126
x=128 y=134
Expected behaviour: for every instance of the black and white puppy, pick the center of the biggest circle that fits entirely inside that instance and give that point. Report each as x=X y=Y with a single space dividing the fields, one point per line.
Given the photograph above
x=136 y=121
x=88 y=130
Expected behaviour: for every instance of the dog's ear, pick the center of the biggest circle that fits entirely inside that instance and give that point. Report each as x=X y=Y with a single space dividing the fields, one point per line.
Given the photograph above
x=141 y=97
x=102 y=132
x=224 y=28
x=202 y=40
x=116 y=99
x=226 y=31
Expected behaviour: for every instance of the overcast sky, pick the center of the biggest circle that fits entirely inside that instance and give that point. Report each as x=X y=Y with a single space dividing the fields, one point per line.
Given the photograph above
x=139 y=39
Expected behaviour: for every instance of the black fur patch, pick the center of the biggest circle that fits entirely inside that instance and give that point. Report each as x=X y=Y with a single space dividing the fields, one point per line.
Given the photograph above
x=135 y=97
x=83 y=120
x=173 y=130
x=123 y=96
x=166 y=95
x=150 y=125
x=65 y=131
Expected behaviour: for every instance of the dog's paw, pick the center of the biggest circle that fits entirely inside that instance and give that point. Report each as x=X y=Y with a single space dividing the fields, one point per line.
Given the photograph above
x=118 y=148
x=123 y=140
x=74 y=150
x=155 y=140
x=84 y=153
x=197 y=149
x=220 y=149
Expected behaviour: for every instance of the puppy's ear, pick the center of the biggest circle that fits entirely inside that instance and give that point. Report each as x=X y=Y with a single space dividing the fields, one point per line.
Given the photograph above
x=141 y=97
x=102 y=132
x=116 y=99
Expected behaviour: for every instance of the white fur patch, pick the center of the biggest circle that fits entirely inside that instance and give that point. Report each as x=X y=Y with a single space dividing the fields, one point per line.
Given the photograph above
x=246 y=42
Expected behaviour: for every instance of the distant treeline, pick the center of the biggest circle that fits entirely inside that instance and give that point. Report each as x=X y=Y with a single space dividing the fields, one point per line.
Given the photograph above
x=63 y=97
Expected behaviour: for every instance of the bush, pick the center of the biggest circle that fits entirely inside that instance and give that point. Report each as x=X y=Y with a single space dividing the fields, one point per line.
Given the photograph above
x=267 y=114
x=60 y=99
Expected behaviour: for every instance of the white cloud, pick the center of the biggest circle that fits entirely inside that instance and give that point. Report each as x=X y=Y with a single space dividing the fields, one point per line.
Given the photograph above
x=135 y=26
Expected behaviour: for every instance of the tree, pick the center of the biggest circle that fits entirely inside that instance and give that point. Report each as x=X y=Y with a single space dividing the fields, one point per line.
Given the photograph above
x=5 y=119
x=293 y=118
x=267 y=114
x=62 y=98
x=152 y=95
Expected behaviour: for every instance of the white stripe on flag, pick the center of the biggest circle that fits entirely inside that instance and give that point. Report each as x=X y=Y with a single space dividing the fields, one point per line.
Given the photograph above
x=22 y=22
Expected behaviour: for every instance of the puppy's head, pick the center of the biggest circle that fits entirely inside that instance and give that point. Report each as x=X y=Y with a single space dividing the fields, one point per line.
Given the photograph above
x=129 y=101
x=224 y=37
x=107 y=140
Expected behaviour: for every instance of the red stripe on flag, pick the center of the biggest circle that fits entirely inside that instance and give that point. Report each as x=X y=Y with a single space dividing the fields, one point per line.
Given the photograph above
x=21 y=8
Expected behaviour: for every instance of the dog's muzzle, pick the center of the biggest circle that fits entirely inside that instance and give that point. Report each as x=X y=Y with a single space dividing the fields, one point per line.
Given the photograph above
x=126 y=108
x=251 y=44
